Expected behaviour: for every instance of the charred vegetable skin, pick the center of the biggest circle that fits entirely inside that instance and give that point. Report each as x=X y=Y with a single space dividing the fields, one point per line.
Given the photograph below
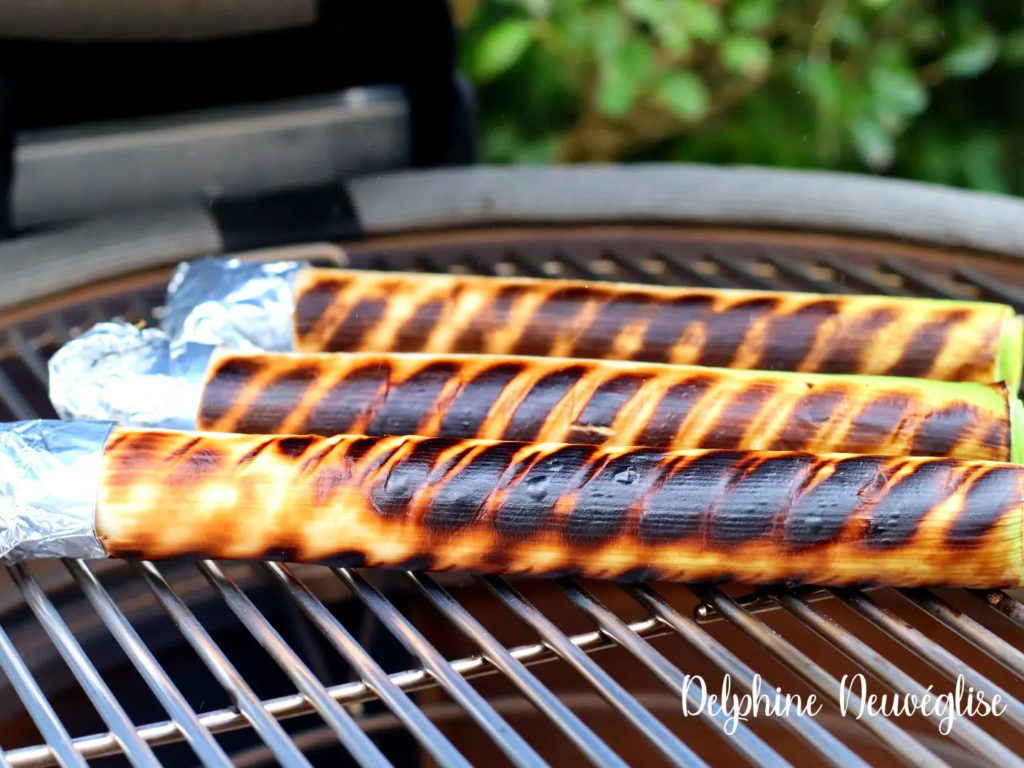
x=339 y=310
x=603 y=402
x=624 y=513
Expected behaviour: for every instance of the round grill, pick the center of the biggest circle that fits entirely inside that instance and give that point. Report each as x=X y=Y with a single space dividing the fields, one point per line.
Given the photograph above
x=181 y=661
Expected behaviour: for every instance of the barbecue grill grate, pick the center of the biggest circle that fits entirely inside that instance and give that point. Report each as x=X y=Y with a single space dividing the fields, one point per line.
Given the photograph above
x=507 y=671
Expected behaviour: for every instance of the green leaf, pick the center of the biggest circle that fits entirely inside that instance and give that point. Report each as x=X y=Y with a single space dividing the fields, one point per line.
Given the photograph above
x=751 y=15
x=972 y=55
x=981 y=156
x=684 y=94
x=873 y=143
x=700 y=19
x=664 y=20
x=623 y=75
x=1013 y=47
x=747 y=55
x=897 y=91
x=825 y=83
x=500 y=48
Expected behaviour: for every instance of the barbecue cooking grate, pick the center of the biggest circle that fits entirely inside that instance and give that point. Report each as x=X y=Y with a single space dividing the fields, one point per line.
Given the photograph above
x=102 y=659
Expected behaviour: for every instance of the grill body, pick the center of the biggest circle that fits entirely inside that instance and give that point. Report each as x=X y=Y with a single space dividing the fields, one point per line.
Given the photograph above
x=271 y=664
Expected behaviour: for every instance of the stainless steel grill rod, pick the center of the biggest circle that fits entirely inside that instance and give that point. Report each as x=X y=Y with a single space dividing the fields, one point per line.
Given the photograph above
x=674 y=750
x=358 y=744
x=136 y=749
x=369 y=670
x=828 y=746
x=213 y=657
x=892 y=736
x=511 y=743
x=200 y=739
x=547 y=702
x=743 y=739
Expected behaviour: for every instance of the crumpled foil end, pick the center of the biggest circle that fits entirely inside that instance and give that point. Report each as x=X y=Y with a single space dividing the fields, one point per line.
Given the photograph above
x=238 y=304
x=49 y=482
x=122 y=373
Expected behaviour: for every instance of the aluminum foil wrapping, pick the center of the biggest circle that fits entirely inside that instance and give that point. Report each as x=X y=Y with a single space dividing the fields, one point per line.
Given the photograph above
x=122 y=373
x=238 y=304
x=49 y=481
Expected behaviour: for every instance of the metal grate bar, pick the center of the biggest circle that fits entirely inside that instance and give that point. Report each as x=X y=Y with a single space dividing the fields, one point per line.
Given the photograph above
x=969 y=629
x=741 y=272
x=631 y=271
x=214 y=658
x=685 y=271
x=362 y=662
x=583 y=737
x=136 y=750
x=39 y=709
x=201 y=741
x=337 y=719
x=799 y=275
x=294 y=705
x=966 y=733
x=828 y=746
x=937 y=656
x=743 y=739
x=892 y=736
x=919 y=280
x=1003 y=604
x=13 y=400
x=500 y=732
x=991 y=288
x=864 y=279
x=615 y=694
x=32 y=359
x=579 y=266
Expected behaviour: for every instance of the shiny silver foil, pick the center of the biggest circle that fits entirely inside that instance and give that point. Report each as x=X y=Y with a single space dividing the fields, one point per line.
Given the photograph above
x=122 y=373
x=241 y=305
x=49 y=482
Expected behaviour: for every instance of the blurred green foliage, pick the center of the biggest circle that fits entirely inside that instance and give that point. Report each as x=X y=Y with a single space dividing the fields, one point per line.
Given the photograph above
x=917 y=88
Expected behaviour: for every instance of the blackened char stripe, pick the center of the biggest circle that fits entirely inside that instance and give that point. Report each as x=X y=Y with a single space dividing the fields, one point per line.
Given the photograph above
x=763 y=492
x=732 y=423
x=312 y=303
x=877 y=420
x=277 y=400
x=789 y=337
x=528 y=502
x=457 y=502
x=467 y=411
x=675 y=405
x=413 y=334
x=603 y=504
x=849 y=341
x=494 y=315
x=411 y=401
x=940 y=430
x=924 y=346
x=821 y=512
x=991 y=496
x=602 y=408
x=334 y=413
x=351 y=332
x=229 y=380
x=725 y=331
x=609 y=320
x=810 y=412
x=557 y=312
x=897 y=513
x=669 y=321
x=678 y=509
x=536 y=406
